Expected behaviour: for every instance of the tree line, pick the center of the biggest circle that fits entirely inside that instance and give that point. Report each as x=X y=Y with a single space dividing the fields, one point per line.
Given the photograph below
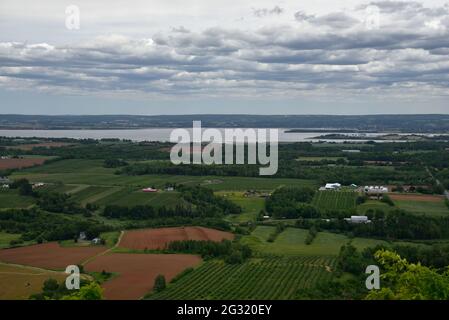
x=36 y=225
x=199 y=202
x=231 y=252
x=394 y=225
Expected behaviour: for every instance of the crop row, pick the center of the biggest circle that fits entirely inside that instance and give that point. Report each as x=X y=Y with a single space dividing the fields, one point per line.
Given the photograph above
x=335 y=200
x=265 y=278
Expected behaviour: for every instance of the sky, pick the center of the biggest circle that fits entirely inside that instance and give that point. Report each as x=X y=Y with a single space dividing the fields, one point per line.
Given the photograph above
x=224 y=56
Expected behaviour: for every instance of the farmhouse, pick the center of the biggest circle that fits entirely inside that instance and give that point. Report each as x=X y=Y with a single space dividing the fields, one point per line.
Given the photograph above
x=351 y=151
x=150 y=190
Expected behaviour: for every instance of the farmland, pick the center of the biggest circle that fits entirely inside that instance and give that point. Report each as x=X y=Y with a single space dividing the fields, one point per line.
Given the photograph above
x=265 y=278
x=12 y=199
x=291 y=242
x=6 y=238
x=19 y=282
x=20 y=163
x=320 y=158
x=89 y=194
x=285 y=235
x=373 y=205
x=109 y=179
x=91 y=172
x=138 y=271
x=49 y=255
x=251 y=206
x=48 y=144
x=421 y=204
x=131 y=196
x=430 y=208
x=110 y=238
x=335 y=200
x=160 y=238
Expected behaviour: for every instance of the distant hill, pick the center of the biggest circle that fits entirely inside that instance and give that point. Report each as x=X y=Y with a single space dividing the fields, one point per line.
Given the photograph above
x=401 y=123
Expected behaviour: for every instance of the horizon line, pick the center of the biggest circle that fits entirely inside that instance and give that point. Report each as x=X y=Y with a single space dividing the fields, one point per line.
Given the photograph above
x=225 y=114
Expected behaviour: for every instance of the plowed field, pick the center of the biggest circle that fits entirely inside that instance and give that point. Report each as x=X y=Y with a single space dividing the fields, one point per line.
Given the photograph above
x=417 y=197
x=20 y=163
x=138 y=271
x=49 y=255
x=159 y=238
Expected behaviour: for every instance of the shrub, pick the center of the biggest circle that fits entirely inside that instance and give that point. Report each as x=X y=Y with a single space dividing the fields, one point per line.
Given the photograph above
x=386 y=199
x=159 y=283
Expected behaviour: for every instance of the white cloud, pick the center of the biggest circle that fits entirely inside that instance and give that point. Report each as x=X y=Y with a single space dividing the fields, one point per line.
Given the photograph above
x=276 y=49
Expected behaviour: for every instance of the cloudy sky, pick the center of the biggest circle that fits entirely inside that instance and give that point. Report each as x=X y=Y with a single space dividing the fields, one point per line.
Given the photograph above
x=224 y=56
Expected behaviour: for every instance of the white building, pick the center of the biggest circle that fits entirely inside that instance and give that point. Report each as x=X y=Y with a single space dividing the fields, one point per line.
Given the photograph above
x=96 y=241
x=358 y=219
x=351 y=151
x=332 y=186
x=38 y=185
x=375 y=189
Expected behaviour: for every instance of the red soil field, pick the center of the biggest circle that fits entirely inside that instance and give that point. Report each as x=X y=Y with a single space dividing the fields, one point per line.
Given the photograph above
x=49 y=144
x=153 y=239
x=416 y=197
x=137 y=272
x=20 y=163
x=49 y=255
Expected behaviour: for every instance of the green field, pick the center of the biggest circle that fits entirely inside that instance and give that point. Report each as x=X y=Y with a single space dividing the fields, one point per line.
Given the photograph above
x=251 y=206
x=6 y=238
x=71 y=166
x=110 y=237
x=91 y=172
x=12 y=199
x=335 y=200
x=373 y=205
x=266 y=278
x=292 y=242
x=19 y=282
x=319 y=158
x=58 y=187
x=90 y=194
x=423 y=207
x=132 y=197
